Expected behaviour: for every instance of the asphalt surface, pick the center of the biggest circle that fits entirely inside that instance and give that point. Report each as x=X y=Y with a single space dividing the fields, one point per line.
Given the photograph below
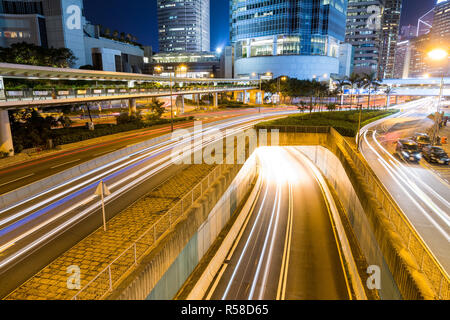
x=22 y=174
x=287 y=250
x=421 y=191
x=37 y=229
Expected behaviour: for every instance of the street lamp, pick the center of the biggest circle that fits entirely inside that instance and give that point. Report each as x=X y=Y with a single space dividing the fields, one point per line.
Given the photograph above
x=159 y=70
x=438 y=55
x=283 y=78
x=254 y=74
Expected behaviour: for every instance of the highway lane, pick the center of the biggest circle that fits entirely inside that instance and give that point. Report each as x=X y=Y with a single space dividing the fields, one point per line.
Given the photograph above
x=420 y=193
x=22 y=174
x=287 y=248
x=38 y=222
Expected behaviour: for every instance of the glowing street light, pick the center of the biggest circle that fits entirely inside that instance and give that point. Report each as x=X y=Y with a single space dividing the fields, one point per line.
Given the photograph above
x=438 y=54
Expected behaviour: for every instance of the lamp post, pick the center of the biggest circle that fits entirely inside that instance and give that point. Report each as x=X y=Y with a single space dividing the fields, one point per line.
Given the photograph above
x=283 y=78
x=438 y=55
x=254 y=74
x=159 y=69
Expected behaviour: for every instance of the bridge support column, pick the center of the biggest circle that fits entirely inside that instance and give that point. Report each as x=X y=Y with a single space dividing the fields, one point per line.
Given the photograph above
x=132 y=106
x=244 y=99
x=6 y=142
x=179 y=102
x=216 y=100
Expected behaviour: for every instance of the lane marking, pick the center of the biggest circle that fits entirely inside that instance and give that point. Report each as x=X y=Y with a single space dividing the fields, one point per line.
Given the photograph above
x=316 y=173
x=282 y=283
x=4 y=184
x=235 y=244
x=63 y=164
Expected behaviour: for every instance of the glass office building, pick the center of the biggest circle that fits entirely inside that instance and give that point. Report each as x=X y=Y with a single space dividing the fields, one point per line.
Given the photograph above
x=297 y=38
x=183 y=25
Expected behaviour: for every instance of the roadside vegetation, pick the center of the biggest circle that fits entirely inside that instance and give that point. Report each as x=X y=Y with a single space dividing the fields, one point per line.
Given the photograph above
x=31 y=130
x=345 y=122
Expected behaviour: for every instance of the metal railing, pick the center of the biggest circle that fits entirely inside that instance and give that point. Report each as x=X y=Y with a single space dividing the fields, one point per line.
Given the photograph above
x=52 y=94
x=427 y=262
x=105 y=281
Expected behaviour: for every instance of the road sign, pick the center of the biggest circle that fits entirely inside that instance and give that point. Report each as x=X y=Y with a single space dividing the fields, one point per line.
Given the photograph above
x=102 y=191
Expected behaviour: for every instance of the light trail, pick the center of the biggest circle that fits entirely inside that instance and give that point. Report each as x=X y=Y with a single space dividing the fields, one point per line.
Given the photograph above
x=136 y=178
x=394 y=176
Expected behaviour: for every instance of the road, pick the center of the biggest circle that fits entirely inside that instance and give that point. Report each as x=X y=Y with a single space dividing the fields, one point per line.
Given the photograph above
x=422 y=191
x=37 y=229
x=23 y=174
x=287 y=249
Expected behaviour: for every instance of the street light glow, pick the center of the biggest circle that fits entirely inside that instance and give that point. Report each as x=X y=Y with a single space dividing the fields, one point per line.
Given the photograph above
x=437 y=54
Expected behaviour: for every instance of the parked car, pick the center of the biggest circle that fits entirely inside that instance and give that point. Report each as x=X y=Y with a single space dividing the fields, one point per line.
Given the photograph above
x=422 y=140
x=435 y=154
x=408 y=150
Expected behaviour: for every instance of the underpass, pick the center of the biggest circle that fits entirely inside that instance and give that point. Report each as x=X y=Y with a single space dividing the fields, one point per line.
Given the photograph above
x=288 y=249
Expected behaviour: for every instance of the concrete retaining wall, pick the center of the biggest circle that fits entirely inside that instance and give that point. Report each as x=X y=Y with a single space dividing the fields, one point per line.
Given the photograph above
x=162 y=273
x=333 y=170
x=412 y=281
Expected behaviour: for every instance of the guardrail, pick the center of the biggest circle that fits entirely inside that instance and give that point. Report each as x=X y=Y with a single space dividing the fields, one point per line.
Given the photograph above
x=105 y=281
x=52 y=94
x=428 y=264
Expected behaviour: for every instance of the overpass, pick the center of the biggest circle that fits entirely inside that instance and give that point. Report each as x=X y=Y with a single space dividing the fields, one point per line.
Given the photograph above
x=418 y=86
x=137 y=87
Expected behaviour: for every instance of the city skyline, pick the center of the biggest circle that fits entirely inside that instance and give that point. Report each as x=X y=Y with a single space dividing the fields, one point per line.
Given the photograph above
x=136 y=11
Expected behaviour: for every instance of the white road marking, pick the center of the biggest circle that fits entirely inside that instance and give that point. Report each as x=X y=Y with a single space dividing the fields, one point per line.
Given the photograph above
x=4 y=184
x=63 y=164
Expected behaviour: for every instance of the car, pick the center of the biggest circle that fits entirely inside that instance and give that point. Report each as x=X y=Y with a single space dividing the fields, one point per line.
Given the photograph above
x=408 y=150
x=435 y=154
x=422 y=140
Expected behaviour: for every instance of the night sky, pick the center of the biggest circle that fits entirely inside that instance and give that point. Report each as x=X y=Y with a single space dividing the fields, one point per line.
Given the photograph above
x=138 y=17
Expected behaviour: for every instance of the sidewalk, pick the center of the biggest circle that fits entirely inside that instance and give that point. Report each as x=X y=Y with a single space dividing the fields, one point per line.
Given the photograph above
x=100 y=248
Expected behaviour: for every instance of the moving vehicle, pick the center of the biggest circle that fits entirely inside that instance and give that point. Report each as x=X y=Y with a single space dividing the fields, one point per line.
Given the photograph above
x=422 y=140
x=435 y=154
x=408 y=150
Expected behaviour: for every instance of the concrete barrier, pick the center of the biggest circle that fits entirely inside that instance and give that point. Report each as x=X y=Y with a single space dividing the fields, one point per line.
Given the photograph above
x=201 y=287
x=414 y=269
x=167 y=266
x=78 y=171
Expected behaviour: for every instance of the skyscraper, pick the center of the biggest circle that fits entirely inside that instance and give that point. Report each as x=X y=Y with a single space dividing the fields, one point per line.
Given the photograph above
x=183 y=25
x=297 y=38
x=440 y=35
x=389 y=37
x=364 y=21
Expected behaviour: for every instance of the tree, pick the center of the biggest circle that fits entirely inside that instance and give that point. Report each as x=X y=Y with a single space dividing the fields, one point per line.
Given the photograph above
x=30 y=54
x=340 y=87
x=30 y=129
x=369 y=80
x=354 y=81
x=157 y=109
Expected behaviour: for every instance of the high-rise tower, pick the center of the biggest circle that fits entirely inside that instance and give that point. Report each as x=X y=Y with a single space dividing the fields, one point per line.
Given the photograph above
x=297 y=38
x=184 y=25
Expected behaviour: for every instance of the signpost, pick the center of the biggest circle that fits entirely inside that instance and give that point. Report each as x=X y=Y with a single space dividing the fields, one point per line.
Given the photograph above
x=102 y=191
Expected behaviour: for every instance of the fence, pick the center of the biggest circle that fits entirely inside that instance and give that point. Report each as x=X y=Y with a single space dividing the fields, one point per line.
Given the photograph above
x=105 y=281
x=49 y=94
x=428 y=264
